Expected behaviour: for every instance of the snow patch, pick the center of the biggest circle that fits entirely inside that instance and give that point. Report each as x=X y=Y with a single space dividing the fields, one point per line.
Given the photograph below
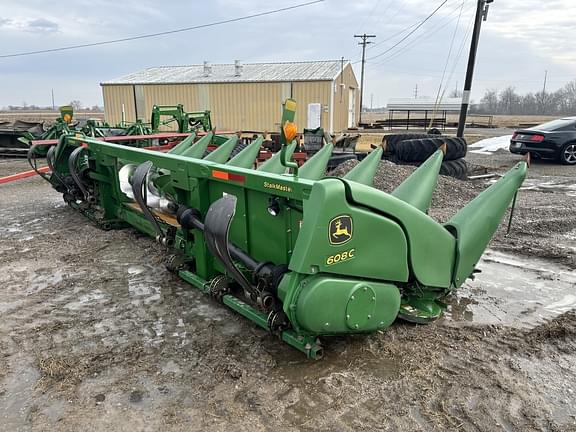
x=490 y=145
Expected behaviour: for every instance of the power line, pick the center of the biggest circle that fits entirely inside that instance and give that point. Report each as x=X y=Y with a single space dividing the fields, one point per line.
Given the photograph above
x=393 y=36
x=164 y=33
x=371 y=14
x=449 y=54
x=440 y=93
x=481 y=15
x=410 y=44
x=411 y=33
x=399 y=33
x=460 y=51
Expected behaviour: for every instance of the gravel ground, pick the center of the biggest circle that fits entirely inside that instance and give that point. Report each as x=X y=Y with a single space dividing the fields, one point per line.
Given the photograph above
x=544 y=222
x=96 y=335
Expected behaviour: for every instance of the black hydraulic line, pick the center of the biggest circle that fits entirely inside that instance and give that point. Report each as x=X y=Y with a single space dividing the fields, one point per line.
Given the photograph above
x=72 y=167
x=216 y=232
x=50 y=162
x=140 y=188
x=511 y=214
x=31 y=156
x=190 y=218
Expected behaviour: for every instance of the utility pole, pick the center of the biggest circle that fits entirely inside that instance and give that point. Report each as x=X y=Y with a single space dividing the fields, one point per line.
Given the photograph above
x=543 y=105
x=364 y=42
x=481 y=15
x=53 y=105
x=371 y=101
x=416 y=92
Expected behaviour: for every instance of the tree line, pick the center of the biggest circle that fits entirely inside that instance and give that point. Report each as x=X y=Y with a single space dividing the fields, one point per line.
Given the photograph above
x=76 y=104
x=508 y=101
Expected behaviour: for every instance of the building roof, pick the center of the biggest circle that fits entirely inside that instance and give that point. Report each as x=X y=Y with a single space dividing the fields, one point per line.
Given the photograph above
x=424 y=104
x=226 y=73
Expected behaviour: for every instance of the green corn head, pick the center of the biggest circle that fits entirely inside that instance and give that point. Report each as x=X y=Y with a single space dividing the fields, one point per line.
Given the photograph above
x=299 y=254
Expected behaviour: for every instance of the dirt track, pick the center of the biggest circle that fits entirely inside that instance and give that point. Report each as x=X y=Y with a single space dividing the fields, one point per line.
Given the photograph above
x=96 y=335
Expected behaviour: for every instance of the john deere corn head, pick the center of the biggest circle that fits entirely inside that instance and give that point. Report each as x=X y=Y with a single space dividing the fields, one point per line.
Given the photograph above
x=299 y=254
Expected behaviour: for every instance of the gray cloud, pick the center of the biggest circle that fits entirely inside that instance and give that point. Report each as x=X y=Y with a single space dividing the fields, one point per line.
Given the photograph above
x=520 y=40
x=42 y=25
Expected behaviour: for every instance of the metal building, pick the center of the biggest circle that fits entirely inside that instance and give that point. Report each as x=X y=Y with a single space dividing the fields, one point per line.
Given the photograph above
x=241 y=96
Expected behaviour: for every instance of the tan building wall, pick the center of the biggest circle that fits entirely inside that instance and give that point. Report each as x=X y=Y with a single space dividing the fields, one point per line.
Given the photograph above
x=305 y=93
x=116 y=96
x=342 y=95
x=237 y=106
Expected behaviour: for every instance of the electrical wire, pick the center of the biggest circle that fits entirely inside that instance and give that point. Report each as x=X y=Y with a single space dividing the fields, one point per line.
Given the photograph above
x=164 y=33
x=411 y=32
x=440 y=93
x=392 y=36
x=397 y=33
x=461 y=49
x=371 y=14
x=404 y=49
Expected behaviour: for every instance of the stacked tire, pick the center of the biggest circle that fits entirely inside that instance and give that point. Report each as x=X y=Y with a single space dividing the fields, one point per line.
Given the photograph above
x=414 y=149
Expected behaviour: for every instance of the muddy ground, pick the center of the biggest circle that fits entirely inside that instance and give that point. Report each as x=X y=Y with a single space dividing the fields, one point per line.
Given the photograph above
x=95 y=335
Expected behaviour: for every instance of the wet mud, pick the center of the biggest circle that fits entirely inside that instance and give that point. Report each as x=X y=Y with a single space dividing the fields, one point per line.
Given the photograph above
x=96 y=335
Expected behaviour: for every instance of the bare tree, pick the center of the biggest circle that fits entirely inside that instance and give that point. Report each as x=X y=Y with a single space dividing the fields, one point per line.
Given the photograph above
x=489 y=102
x=76 y=105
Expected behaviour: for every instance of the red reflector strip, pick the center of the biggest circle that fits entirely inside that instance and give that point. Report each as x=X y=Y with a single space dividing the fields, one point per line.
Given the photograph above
x=223 y=175
x=22 y=175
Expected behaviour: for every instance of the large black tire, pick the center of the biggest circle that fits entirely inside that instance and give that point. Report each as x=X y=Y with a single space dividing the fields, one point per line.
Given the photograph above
x=455 y=168
x=392 y=139
x=418 y=150
x=239 y=147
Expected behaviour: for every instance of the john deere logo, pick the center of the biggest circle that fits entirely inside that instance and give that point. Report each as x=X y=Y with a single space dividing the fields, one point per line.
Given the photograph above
x=340 y=230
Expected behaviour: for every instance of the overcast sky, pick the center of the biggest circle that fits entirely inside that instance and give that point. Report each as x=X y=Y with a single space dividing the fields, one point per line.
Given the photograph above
x=520 y=40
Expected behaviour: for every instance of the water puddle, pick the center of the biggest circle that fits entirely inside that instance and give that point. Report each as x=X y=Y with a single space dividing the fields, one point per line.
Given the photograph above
x=551 y=185
x=40 y=282
x=298 y=370
x=88 y=300
x=514 y=291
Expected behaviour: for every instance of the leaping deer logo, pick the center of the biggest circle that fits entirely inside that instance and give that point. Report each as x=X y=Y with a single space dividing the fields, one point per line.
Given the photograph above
x=340 y=230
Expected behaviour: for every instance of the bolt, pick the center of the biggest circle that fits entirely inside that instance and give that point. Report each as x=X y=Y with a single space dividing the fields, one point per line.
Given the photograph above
x=347 y=317
x=373 y=298
x=369 y=316
x=355 y=326
x=365 y=288
x=351 y=297
x=381 y=323
x=327 y=325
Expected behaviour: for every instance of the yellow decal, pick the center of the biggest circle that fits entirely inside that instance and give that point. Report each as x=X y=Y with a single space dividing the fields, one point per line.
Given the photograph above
x=277 y=186
x=290 y=105
x=341 y=257
x=340 y=230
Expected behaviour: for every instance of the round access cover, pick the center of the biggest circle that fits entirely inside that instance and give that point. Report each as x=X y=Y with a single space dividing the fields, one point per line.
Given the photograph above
x=360 y=307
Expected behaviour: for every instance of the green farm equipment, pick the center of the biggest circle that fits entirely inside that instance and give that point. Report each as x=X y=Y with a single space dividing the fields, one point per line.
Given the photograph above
x=18 y=142
x=301 y=255
x=186 y=121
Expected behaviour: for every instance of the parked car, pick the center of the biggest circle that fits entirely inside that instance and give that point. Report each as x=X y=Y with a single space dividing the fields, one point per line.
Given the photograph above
x=553 y=140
